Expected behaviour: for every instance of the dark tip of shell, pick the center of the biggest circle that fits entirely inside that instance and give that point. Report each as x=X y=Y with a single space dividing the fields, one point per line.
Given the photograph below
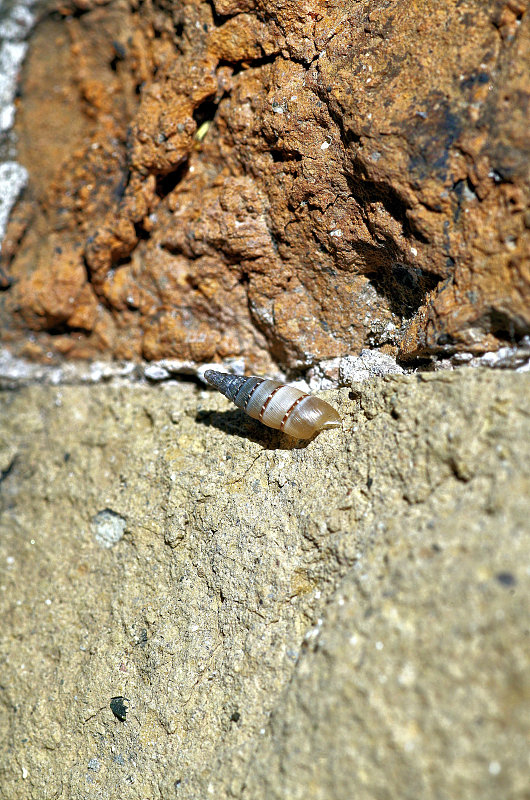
x=227 y=384
x=212 y=377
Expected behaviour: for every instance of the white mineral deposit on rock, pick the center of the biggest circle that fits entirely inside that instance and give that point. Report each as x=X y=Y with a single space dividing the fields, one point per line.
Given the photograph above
x=16 y=20
x=369 y=364
x=13 y=178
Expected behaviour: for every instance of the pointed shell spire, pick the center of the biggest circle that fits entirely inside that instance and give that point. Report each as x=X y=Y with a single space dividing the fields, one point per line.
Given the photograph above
x=227 y=384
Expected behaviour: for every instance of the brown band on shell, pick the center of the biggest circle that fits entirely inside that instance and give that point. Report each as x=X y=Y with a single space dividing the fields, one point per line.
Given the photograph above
x=247 y=401
x=267 y=401
x=288 y=412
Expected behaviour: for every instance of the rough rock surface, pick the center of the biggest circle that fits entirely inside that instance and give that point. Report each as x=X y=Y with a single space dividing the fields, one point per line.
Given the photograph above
x=193 y=606
x=263 y=179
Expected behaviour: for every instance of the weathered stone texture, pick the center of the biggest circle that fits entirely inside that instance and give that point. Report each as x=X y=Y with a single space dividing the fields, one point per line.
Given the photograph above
x=274 y=180
x=347 y=618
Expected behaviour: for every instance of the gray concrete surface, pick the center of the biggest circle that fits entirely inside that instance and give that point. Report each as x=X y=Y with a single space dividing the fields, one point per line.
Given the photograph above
x=194 y=606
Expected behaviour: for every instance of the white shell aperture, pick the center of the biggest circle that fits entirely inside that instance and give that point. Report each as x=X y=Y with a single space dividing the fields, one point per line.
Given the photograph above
x=277 y=405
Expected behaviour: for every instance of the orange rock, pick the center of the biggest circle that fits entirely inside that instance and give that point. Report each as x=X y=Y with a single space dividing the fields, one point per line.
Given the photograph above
x=291 y=185
x=85 y=309
x=47 y=298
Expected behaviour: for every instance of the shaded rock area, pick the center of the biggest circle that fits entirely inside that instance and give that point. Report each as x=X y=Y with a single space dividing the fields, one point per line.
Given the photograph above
x=195 y=606
x=282 y=182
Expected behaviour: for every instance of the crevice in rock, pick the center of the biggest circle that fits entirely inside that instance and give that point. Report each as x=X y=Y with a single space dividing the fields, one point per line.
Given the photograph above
x=244 y=279
x=219 y=19
x=503 y=326
x=141 y=233
x=404 y=286
x=463 y=190
x=120 y=54
x=205 y=112
x=165 y=184
x=68 y=11
x=5 y=281
x=251 y=63
x=282 y=155
x=63 y=329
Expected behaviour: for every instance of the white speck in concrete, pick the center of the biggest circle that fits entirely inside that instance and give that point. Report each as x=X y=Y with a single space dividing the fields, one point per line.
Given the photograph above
x=108 y=527
x=407 y=676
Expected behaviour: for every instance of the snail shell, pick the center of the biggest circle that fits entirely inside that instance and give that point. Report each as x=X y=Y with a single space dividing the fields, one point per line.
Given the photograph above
x=276 y=404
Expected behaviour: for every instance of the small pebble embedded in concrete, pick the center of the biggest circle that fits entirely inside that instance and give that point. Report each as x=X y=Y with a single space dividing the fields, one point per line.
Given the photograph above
x=119 y=707
x=108 y=527
x=506 y=578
